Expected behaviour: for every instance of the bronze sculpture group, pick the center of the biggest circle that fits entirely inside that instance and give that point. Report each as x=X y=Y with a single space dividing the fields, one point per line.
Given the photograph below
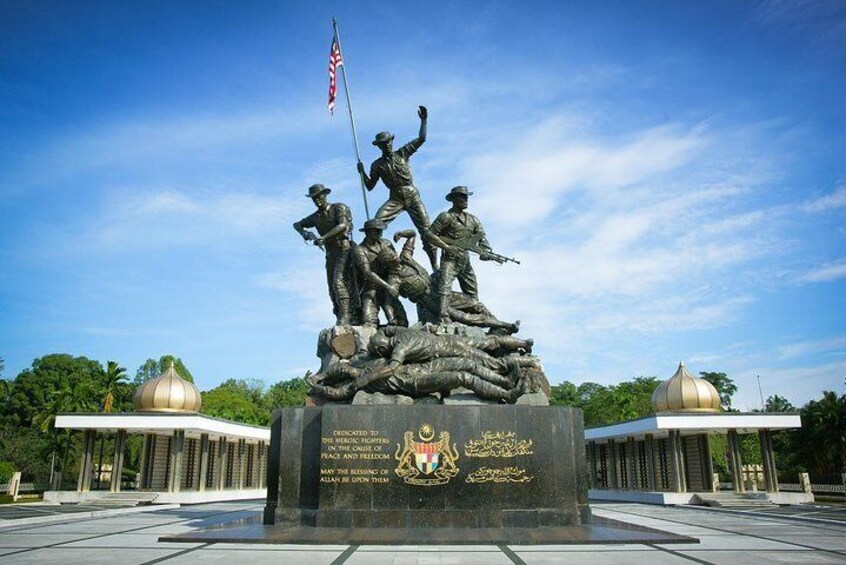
x=368 y=277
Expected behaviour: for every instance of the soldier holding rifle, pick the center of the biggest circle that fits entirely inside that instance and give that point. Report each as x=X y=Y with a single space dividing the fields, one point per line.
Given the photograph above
x=333 y=223
x=458 y=232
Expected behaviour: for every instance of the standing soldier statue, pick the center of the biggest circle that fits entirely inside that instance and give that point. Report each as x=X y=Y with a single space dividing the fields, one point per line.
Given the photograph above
x=392 y=167
x=458 y=232
x=334 y=224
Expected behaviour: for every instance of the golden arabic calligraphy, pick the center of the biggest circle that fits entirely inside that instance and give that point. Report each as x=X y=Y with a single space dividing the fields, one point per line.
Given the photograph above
x=505 y=475
x=498 y=444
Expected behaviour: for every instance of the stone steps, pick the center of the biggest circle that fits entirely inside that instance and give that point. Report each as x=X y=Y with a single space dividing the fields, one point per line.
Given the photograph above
x=125 y=499
x=735 y=500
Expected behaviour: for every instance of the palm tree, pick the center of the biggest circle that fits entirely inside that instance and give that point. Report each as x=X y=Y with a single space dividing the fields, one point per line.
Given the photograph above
x=74 y=396
x=113 y=382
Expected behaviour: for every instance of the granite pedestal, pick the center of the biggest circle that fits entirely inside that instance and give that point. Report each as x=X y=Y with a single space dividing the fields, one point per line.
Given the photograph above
x=407 y=467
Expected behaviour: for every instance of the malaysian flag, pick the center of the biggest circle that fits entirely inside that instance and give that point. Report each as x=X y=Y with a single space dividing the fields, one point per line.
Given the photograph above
x=335 y=61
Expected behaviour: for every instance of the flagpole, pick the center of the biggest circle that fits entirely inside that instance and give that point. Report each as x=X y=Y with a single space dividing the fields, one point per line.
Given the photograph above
x=352 y=119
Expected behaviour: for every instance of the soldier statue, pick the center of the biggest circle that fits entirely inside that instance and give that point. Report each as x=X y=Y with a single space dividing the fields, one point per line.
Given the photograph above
x=405 y=346
x=417 y=285
x=372 y=258
x=393 y=168
x=342 y=381
x=333 y=223
x=453 y=231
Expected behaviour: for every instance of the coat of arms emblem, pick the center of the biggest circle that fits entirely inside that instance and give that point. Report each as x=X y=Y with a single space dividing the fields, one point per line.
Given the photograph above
x=426 y=462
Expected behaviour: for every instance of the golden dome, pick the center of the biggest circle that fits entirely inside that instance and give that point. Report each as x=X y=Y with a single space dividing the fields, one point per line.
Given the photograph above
x=167 y=393
x=685 y=393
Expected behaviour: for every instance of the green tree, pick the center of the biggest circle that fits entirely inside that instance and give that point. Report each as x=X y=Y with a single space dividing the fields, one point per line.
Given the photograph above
x=724 y=385
x=151 y=369
x=291 y=392
x=28 y=450
x=5 y=393
x=820 y=444
x=71 y=397
x=778 y=403
x=39 y=387
x=7 y=469
x=633 y=399
x=236 y=400
x=113 y=384
x=564 y=394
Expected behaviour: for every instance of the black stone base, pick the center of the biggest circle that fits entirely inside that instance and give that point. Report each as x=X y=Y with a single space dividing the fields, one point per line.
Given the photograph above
x=600 y=531
x=427 y=467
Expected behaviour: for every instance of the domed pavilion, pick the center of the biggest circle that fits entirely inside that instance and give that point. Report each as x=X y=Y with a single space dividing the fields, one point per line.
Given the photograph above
x=666 y=458
x=186 y=456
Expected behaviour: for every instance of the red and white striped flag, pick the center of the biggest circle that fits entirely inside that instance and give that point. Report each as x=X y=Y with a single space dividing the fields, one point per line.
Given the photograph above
x=335 y=61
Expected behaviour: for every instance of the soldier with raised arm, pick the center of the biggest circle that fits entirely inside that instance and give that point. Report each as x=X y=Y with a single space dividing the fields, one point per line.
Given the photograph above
x=393 y=168
x=333 y=223
x=449 y=231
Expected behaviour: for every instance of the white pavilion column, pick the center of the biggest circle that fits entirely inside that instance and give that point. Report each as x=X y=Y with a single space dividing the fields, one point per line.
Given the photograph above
x=649 y=444
x=204 y=462
x=735 y=461
x=632 y=459
x=768 y=459
x=242 y=463
x=262 y=455
x=174 y=480
x=592 y=454
x=707 y=462
x=613 y=481
x=222 y=458
x=117 y=462
x=86 y=462
x=677 y=462
x=145 y=454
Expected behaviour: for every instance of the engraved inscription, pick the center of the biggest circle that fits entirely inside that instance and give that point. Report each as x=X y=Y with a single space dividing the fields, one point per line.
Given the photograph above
x=353 y=456
x=498 y=444
x=504 y=475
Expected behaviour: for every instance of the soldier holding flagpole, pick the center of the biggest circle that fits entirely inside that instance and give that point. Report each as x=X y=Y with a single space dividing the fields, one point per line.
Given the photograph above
x=336 y=59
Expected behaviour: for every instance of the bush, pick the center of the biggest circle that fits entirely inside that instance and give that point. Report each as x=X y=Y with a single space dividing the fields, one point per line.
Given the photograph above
x=6 y=471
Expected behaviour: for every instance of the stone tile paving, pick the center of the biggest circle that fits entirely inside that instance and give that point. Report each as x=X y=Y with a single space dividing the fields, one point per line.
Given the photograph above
x=133 y=539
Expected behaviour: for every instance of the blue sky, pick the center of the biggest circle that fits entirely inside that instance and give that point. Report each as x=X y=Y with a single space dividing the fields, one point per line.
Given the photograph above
x=670 y=174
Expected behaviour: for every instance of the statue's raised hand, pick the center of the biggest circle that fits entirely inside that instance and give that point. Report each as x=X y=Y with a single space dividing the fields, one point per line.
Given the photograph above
x=404 y=234
x=422 y=112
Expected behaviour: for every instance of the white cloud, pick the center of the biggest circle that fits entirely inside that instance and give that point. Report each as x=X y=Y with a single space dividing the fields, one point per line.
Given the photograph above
x=151 y=218
x=825 y=273
x=832 y=346
x=523 y=182
x=307 y=284
x=798 y=384
x=834 y=200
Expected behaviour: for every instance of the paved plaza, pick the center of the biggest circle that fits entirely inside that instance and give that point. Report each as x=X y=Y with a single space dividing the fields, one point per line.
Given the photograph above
x=725 y=537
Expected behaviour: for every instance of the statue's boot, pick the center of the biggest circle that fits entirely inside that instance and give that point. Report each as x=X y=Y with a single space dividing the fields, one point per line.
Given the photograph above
x=516 y=392
x=482 y=388
x=345 y=392
x=390 y=315
x=493 y=377
x=515 y=344
x=431 y=253
x=343 y=312
x=444 y=310
x=498 y=327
